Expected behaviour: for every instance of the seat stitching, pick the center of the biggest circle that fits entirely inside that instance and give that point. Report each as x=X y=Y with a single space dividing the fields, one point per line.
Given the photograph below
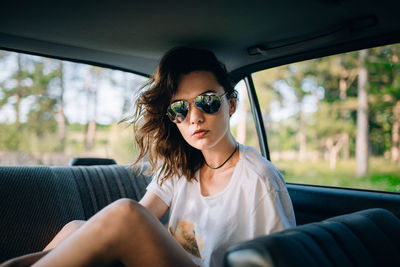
x=107 y=183
x=79 y=190
x=121 y=186
x=90 y=189
x=319 y=244
x=103 y=186
x=355 y=233
x=307 y=248
x=132 y=185
x=349 y=257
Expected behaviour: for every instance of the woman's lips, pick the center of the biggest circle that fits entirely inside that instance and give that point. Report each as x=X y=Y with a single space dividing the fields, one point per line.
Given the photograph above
x=200 y=133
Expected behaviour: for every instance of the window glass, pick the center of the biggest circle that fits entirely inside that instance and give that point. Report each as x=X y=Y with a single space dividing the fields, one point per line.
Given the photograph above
x=52 y=111
x=335 y=120
x=242 y=122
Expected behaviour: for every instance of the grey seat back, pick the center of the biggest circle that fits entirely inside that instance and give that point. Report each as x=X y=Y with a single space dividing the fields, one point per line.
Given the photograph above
x=36 y=202
x=101 y=185
x=366 y=238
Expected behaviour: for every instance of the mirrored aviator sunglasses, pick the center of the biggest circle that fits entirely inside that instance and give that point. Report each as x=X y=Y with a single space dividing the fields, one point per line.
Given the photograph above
x=208 y=103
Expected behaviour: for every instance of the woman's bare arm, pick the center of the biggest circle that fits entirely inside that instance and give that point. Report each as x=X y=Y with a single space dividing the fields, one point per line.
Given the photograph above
x=154 y=204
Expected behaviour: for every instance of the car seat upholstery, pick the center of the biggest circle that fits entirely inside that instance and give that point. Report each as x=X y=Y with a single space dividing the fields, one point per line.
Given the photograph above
x=99 y=186
x=36 y=202
x=365 y=238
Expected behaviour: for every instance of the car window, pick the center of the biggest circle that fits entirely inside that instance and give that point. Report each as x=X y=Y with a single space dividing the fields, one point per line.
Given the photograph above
x=335 y=120
x=52 y=111
x=242 y=123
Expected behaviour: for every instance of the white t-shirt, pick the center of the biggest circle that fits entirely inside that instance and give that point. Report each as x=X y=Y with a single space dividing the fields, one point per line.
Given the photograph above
x=254 y=203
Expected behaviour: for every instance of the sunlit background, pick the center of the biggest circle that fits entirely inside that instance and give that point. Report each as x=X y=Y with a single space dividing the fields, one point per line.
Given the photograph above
x=52 y=111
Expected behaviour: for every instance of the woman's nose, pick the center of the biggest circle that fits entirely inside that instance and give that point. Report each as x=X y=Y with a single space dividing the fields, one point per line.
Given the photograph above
x=195 y=115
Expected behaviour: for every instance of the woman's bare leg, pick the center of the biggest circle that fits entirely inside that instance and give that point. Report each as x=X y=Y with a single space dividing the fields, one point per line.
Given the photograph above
x=25 y=260
x=65 y=232
x=124 y=231
x=29 y=259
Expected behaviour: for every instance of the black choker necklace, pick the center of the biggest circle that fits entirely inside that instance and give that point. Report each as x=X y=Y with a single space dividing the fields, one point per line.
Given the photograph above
x=214 y=168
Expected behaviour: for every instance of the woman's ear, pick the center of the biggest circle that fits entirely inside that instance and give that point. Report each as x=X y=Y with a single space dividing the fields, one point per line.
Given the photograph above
x=232 y=105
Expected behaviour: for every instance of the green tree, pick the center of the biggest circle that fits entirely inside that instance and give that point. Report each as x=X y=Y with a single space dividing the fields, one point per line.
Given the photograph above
x=31 y=83
x=93 y=81
x=15 y=88
x=42 y=112
x=362 y=117
x=294 y=76
x=334 y=124
x=384 y=69
x=61 y=120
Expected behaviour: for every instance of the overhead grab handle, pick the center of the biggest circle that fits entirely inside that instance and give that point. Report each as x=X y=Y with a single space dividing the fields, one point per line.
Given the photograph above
x=282 y=46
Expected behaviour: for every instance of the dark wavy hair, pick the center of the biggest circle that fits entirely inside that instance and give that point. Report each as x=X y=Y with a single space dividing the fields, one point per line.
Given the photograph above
x=158 y=139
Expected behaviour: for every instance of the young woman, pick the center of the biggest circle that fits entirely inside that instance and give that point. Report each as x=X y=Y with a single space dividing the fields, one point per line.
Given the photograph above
x=219 y=192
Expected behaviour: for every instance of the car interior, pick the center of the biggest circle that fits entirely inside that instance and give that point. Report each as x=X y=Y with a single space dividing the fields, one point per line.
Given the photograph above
x=336 y=226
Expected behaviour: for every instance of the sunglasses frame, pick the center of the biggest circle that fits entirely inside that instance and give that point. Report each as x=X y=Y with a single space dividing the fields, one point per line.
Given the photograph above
x=188 y=101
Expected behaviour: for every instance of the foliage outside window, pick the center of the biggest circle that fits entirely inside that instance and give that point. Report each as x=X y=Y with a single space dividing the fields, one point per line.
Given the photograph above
x=52 y=111
x=335 y=120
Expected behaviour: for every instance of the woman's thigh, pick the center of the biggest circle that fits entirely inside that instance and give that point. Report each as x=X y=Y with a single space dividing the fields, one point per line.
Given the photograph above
x=145 y=239
x=124 y=231
x=65 y=232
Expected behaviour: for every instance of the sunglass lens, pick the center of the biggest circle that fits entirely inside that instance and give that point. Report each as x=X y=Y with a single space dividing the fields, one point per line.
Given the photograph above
x=208 y=103
x=177 y=111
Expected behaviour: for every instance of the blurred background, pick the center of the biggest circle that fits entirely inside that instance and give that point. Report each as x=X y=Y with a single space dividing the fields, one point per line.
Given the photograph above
x=329 y=121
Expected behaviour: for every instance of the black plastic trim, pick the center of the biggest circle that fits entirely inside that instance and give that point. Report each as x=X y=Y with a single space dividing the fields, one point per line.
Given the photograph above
x=315 y=203
x=255 y=107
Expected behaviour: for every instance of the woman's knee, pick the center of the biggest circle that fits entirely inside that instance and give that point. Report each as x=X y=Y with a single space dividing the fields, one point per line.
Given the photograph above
x=125 y=211
x=72 y=226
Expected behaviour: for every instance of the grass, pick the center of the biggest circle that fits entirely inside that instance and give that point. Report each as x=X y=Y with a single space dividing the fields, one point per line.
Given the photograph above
x=382 y=176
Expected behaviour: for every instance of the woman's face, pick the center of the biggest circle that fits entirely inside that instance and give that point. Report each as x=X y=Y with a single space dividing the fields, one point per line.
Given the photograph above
x=201 y=130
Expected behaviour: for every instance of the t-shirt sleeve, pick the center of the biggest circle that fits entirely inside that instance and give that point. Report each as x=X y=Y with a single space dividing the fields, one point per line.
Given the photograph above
x=164 y=191
x=274 y=211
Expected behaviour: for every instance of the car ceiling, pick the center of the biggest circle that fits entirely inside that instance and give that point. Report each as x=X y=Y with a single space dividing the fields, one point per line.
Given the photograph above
x=245 y=35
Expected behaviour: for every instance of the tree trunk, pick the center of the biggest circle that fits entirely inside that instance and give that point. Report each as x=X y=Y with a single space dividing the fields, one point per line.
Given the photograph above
x=333 y=159
x=347 y=78
x=92 y=88
x=18 y=91
x=302 y=138
x=90 y=135
x=329 y=148
x=346 y=146
x=333 y=149
x=61 y=116
x=362 y=118
x=395 y=132
x=17 y=109
x=342 y=89
x=396 y=114
x=88 y=129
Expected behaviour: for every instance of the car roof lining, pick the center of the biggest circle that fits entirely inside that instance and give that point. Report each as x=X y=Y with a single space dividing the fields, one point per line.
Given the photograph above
x=133 y=35
x=380 y=40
